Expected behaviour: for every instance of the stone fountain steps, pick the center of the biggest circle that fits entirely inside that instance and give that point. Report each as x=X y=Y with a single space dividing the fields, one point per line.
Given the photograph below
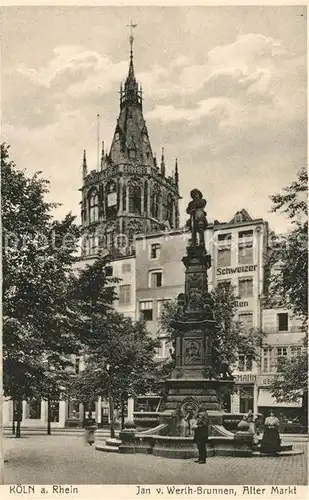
x=284 y=447
x=287 y=453
x=111 y=445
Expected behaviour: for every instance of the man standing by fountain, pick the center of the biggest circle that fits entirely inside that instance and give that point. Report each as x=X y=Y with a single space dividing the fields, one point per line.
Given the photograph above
x=201 y=437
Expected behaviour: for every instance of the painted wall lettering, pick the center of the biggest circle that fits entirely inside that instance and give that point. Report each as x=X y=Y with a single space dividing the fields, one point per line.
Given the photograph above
x=235 y=270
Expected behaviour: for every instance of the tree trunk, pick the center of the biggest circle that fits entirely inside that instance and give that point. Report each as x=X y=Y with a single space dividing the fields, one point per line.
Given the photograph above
x=85 y=406
x=122 y=413
x=48 y=417
x=18 y=429
x=19 y=410
x=111 y=407
x=13 y=427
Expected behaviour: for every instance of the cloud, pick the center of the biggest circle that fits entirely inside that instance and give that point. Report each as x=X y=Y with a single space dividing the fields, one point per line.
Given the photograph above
x=248 y=83
x=67 y=59
x=213 y=107
x=89 y=71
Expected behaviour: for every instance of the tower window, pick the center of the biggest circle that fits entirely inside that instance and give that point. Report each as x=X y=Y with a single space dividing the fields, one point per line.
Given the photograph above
x=124 y=197
x=93 y=207
x=93 y=244
x=146 y=198
x=170 y=211
x=135 y=200
x=155 y=206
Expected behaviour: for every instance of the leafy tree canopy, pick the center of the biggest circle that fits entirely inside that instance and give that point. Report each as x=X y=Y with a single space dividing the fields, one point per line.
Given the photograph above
x=289 y=286
x=40 y=325
x=122 y=350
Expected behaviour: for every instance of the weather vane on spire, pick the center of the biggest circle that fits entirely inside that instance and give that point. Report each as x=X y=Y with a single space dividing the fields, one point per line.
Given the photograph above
x=131 y=26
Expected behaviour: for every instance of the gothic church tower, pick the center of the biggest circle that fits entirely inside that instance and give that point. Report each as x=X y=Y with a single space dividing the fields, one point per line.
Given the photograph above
x=131 y=194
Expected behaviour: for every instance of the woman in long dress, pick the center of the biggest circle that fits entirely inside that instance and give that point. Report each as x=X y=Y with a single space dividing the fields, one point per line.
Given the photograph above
x=271 y=442
x=90 y=428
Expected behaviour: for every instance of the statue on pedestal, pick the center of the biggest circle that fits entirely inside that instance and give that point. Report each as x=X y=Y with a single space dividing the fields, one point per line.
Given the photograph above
x=197 y=222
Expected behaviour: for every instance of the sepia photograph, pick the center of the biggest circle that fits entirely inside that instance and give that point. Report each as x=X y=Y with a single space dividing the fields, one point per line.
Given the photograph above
x=154 y=250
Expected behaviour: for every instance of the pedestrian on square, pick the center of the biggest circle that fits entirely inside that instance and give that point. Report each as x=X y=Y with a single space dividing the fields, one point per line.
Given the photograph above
x=201 y=437
x=271 y=442
x=251 y=418
x=90 y=428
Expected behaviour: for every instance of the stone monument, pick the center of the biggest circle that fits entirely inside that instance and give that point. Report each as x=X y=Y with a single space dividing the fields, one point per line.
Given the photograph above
x=195 y=380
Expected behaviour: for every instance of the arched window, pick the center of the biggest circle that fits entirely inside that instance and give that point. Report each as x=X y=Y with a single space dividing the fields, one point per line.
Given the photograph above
x=124 y=197
x=93 y=244
x=170 y=210
x=145 y=197
x=135 y=195
x=93 y=207
x=155 y=203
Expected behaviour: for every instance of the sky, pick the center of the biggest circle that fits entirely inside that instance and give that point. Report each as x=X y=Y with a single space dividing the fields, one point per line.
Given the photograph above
x=224 y=92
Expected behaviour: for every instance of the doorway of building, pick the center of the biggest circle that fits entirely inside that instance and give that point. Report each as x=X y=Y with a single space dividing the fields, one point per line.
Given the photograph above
x=245 y=399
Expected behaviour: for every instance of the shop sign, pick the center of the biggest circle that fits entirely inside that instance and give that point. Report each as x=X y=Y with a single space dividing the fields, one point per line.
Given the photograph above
x=245 y=378
x=241 y=303
x=236 y=270
x=265 y=380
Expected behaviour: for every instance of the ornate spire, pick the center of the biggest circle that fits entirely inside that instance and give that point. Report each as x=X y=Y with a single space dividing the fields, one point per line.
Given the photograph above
x=162 y=163
x=131 y=67
x=84 y=165
x=176 y=173
x=130 y=94
x=155 y=160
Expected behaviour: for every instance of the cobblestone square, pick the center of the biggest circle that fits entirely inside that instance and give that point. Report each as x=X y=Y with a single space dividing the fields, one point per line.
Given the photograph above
x=68 y=460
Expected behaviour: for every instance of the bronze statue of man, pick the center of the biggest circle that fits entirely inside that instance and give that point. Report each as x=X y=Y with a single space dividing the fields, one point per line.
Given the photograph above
x=198 y=221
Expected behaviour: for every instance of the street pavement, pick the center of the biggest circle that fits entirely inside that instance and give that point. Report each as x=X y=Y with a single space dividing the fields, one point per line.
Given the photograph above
x=68 y=460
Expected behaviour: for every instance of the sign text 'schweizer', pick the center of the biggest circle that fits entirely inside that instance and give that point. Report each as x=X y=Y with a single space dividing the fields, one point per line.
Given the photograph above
x=235 y=270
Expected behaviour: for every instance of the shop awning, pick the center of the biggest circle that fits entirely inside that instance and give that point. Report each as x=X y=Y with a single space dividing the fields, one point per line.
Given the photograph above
x=266 y=399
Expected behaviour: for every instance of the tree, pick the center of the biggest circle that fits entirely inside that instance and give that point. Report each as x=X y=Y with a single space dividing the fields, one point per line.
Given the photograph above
x=40 y=323
x=289 y=286
x=120 y=361
x=229 y=337
x=291 y=384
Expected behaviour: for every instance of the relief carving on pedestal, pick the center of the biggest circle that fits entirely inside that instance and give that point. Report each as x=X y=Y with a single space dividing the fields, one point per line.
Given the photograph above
x=193 y=352
x=195 y=280
x=195 y=299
